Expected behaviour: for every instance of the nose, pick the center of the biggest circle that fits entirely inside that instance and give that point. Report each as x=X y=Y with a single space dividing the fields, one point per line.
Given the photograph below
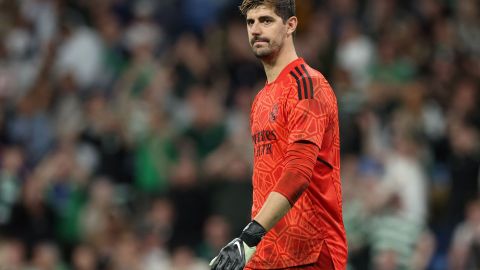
x=255 y=29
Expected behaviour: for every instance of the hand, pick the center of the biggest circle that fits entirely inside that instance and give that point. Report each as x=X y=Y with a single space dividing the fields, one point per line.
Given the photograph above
x=236 y=254
x=233 y=256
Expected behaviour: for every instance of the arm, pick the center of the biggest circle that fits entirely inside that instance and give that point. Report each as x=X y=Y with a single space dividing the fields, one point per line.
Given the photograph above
x=275 y=207
x=299 y=163
x=300 y=160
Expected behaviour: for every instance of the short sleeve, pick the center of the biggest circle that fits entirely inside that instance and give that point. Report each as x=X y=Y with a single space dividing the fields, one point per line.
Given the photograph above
x=307 y=120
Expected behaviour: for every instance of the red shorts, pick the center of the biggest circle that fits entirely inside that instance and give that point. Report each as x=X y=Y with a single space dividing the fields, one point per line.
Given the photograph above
x=324 y=262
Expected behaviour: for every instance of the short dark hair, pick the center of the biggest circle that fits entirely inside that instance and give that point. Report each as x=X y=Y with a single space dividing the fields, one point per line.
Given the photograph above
x=283 y=8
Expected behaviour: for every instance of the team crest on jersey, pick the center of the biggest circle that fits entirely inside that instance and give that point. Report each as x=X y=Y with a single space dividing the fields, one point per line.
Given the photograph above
x=274 y=113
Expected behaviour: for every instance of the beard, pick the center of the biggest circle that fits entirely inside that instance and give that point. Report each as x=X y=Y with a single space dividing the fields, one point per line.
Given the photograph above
x=266 y=50
x=262 y=52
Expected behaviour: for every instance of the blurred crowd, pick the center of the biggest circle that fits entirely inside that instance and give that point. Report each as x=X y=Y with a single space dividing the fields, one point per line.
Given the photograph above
x=125 y=143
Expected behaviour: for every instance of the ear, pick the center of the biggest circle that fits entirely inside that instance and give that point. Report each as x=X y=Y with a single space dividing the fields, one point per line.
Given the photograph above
x=292 y=23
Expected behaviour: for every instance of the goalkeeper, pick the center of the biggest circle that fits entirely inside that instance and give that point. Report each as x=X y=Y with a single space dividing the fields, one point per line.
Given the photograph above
x=297 y=198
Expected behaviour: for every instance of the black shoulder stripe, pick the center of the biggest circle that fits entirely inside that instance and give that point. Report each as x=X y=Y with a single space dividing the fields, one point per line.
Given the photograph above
x=304 y=81
x=309 y=80
x=299 y=88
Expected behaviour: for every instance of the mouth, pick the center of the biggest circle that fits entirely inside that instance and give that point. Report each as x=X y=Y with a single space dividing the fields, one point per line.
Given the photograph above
x=259 y=41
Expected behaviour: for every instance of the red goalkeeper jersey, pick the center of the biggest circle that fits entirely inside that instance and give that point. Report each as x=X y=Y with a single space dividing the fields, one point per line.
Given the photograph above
x=298 y=106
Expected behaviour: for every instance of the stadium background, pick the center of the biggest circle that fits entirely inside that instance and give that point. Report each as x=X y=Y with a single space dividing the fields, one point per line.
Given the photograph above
x=124 y=134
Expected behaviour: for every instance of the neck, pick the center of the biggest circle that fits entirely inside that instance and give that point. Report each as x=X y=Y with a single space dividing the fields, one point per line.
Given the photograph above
x=274 y=65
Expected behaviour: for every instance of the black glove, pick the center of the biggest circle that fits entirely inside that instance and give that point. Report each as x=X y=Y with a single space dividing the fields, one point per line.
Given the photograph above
x=236 y=254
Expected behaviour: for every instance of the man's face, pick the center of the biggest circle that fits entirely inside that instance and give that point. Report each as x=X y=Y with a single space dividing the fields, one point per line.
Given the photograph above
x=266 y=31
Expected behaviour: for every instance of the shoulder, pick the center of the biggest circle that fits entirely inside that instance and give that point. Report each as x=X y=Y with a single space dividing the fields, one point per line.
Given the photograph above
x=307 y=83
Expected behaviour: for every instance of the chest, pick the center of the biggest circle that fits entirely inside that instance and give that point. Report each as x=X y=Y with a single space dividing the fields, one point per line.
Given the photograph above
x=267 y=111
x=268 y=122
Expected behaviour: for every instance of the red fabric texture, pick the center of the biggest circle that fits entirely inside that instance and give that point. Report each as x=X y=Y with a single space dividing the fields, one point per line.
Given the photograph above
x=324 y=262
x=298 y=169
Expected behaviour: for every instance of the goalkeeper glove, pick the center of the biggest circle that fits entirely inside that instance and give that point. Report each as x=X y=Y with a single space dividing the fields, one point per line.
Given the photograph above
x=236 y=254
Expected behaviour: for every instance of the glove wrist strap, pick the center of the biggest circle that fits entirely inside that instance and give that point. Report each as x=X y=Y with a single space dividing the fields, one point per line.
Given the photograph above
x=253 y=233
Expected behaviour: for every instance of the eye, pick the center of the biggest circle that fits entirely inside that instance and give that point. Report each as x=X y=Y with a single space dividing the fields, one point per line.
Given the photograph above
x=266 y=20
x=249 y=22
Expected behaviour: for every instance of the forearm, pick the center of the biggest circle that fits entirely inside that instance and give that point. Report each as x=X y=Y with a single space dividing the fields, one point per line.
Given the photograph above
x=275 y=207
